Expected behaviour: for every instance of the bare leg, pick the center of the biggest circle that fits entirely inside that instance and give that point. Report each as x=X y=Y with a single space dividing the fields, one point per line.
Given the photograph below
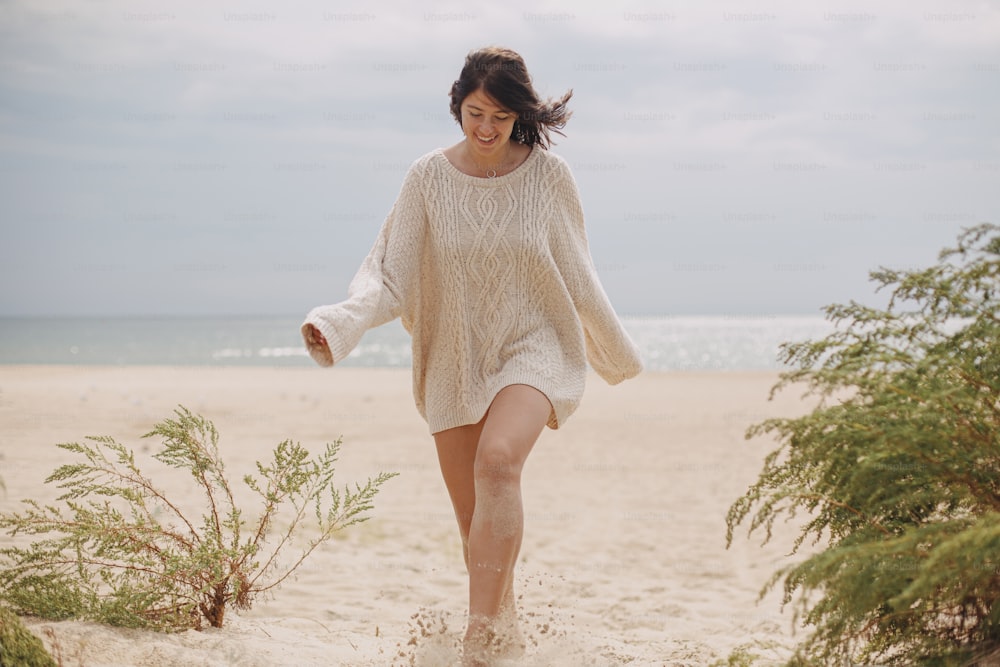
x=481 y=465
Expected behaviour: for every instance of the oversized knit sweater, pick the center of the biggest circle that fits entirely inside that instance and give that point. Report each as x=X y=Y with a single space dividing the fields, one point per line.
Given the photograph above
x=494 y=281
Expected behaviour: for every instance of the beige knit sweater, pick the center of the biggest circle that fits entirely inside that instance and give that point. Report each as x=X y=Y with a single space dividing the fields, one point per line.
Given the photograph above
x=494 y=281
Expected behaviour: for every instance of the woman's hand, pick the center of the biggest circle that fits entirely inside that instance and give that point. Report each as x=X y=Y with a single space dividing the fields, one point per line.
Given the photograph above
x=316 y=337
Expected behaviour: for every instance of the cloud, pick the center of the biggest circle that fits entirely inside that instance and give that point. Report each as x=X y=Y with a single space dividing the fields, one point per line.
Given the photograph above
x=140 y=139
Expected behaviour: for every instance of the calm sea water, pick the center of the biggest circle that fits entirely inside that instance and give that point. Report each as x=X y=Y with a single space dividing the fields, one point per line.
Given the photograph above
x=666 y=343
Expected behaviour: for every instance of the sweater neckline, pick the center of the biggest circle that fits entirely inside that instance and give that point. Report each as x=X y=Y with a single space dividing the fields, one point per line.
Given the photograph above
x=482 y=180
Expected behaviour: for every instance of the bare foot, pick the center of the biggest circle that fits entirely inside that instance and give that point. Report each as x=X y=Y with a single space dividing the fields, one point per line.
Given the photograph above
x=476 y=645
x=486 y=641
x=509 y=642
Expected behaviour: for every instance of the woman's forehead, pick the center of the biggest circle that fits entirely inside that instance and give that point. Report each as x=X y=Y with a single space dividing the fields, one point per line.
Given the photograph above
x=478 y=98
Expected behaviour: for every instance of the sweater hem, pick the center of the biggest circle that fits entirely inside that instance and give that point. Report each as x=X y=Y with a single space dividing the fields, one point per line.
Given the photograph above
x=561 y=406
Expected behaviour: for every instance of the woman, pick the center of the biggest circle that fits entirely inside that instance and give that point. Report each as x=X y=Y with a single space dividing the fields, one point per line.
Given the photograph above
x=484 y=257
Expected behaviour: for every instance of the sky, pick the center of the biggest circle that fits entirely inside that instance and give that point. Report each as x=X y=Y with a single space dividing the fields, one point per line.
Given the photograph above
x=733 y=158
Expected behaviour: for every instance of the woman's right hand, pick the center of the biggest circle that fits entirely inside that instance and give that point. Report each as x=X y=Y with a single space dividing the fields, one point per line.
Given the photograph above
x=316 y=337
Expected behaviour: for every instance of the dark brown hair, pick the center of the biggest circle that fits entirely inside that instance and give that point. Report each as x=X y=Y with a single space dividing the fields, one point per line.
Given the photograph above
x=503 y=76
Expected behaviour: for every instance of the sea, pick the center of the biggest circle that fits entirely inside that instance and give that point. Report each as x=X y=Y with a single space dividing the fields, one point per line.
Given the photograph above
x=667 y=343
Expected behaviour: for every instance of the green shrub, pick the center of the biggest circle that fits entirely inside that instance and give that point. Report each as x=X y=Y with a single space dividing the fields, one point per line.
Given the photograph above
x=738 y=657
x=18 y=647
x=120 y=551
x=897 y=470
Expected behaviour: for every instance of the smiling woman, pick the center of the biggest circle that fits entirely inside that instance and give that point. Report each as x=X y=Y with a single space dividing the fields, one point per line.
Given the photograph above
x=487 y=149
x=500 y=78
x=485 y=259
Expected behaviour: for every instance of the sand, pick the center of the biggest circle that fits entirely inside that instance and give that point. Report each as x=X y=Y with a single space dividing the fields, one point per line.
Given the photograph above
x=624 y=559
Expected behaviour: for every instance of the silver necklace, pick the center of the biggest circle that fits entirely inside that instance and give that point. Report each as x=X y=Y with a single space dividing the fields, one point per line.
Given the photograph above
x=490 y=173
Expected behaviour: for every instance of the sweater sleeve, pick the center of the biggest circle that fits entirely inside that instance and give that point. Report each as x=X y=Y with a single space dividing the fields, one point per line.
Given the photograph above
x=610 y=350
x=385 y=285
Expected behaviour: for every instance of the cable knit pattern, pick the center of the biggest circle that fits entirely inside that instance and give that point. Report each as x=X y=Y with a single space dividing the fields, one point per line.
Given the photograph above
x=494 y=281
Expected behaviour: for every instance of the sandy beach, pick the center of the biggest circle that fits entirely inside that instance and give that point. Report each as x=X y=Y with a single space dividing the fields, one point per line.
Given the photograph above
x=624 y=559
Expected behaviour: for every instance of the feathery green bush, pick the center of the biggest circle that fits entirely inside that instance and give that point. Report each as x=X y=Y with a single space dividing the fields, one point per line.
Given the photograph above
x=119 y=550
x=18 y=647
x=897 y=471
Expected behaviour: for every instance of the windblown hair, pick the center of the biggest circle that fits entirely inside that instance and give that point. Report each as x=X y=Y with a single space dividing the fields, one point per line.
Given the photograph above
x=503 y=76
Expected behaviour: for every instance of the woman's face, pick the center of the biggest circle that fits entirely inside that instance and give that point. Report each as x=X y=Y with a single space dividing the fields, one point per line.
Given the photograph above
x=487 y=127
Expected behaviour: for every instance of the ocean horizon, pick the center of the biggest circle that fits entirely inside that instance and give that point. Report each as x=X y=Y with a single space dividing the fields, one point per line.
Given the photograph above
x=683 y=342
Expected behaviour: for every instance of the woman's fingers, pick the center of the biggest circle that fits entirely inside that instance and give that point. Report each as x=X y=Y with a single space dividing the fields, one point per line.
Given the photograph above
x=316 y=336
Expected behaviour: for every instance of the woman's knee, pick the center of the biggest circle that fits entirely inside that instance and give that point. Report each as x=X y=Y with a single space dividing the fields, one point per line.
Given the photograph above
x=498 y=461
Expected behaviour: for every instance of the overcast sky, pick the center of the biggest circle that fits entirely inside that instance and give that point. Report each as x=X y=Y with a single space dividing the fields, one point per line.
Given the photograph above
x=750 y=158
